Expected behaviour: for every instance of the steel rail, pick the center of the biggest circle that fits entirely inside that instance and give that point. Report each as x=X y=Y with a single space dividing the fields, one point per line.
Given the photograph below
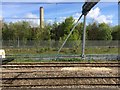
x=55 y=77
x=9 y=85
x=29 y=71
x=30 y=66
x=34 y=63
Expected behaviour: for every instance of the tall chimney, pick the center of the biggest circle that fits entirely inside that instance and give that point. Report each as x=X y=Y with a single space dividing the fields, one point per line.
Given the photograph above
x=41 y=17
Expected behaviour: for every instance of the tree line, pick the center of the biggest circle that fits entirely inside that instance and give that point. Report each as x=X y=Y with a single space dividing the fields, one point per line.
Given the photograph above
x=22 y=30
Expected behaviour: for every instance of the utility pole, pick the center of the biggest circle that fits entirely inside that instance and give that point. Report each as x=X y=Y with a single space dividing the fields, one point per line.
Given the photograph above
x=85 y=9
x=84 y=38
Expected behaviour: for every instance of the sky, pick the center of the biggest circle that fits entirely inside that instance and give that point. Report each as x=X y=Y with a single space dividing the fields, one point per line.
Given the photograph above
x=56 y=0
x=106 y=12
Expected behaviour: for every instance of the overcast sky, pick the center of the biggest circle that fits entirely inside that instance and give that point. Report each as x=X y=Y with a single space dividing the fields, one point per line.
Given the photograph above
x=106 y=12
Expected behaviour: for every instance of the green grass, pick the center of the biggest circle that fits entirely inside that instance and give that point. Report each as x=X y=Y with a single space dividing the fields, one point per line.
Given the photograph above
x=88 y=50
x=46 y=52
x=62 y=60
x=51 y=60
x=102 y=50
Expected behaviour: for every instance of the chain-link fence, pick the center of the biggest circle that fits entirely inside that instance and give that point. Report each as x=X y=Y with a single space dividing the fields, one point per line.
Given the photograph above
x=101 y=47
x=44 y=50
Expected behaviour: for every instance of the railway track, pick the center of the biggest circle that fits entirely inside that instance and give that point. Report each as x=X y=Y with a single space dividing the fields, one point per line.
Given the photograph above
x=63 y=81
x=37 y=65
x=29 y=63
x=61 y=85
x=25 y=77
x=55 y=77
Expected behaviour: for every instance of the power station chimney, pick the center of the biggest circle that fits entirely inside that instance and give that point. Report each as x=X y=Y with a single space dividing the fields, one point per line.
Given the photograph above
x=41 y=17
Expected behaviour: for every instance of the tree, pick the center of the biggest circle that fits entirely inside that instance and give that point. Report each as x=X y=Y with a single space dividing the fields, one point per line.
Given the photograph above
x=16 y=31
x=93 y=31
x=99 y=31
x=6 y=33
x=74 y=39
x=65 y=28
x=43 y=33
x=79 y=27
x=61 y=30
x=53 y=31
x=116 y=32
x=104 y=32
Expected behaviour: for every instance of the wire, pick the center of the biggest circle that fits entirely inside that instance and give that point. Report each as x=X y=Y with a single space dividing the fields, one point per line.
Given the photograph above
x=40 y=2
